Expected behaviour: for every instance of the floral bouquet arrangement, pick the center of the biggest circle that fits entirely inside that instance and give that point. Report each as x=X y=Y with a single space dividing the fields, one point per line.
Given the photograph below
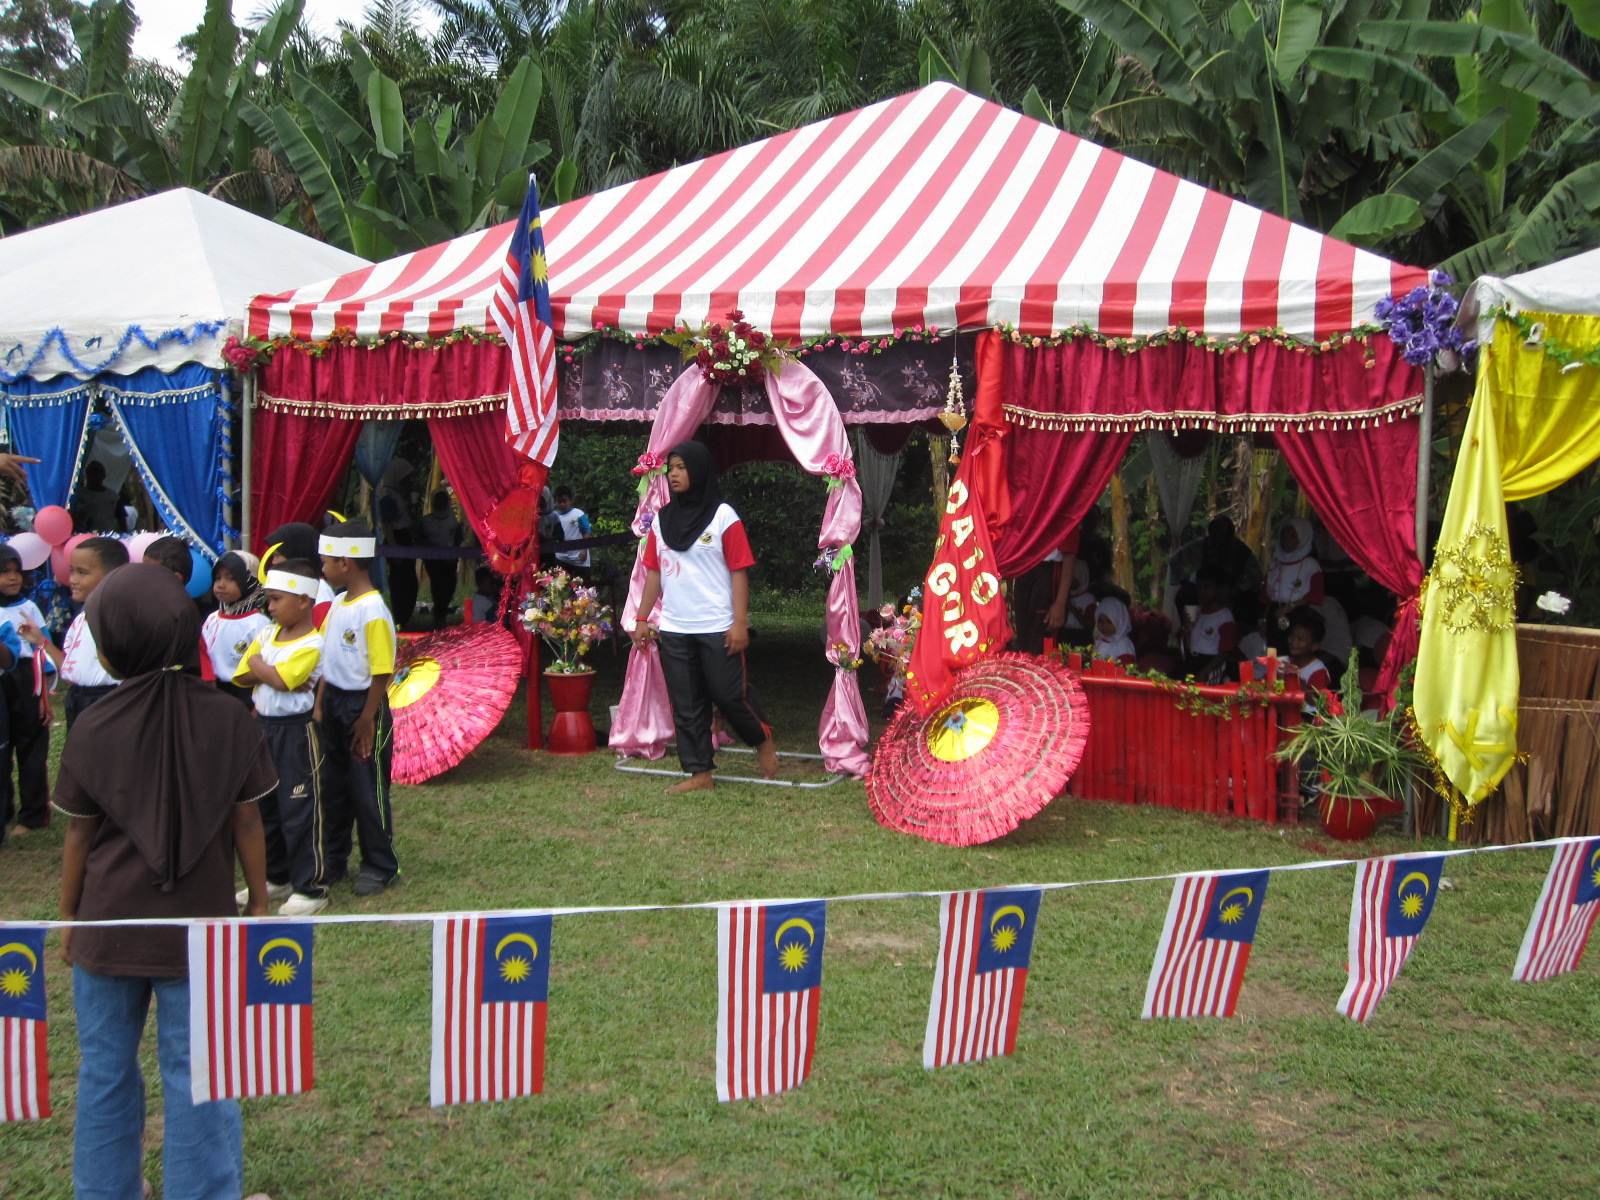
x=1422 y=324
x=889 y=645
x=568 y=616
x=735 y=353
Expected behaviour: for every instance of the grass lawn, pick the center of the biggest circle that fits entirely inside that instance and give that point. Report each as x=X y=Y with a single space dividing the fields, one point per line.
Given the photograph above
x=1464 y=1085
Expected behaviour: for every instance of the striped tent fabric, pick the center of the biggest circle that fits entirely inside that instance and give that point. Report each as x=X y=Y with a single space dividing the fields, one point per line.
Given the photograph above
x=935 y=208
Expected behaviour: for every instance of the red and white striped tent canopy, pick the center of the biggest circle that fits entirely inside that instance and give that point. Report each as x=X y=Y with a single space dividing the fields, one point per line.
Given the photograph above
x=935 y=208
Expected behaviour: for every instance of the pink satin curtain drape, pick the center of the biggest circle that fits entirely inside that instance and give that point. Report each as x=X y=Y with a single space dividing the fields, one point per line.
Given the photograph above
x=809 y=419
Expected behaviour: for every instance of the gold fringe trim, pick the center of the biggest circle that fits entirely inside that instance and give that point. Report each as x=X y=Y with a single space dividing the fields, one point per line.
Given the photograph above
x=380 y=412
x=1151 y=419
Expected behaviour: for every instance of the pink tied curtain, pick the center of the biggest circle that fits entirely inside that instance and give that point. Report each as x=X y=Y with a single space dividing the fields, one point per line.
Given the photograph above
x=806 y=414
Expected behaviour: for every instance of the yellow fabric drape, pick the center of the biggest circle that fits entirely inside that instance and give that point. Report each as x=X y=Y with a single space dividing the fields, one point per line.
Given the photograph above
x=1548 y=421
x=1467 y=676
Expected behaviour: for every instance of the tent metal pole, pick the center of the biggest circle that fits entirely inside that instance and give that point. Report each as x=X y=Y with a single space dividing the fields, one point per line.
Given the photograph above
x=246 y=428
x=1424 y=462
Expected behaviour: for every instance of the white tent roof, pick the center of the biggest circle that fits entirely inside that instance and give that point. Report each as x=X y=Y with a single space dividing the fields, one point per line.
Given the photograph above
x=1569 y=286
x=169 y=269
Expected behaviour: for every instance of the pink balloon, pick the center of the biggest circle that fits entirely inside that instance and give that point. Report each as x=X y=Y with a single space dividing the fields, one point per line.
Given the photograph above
x=53 y=523
x=139 y=543
x=32 y=549
x=77 y=540
x=60 y=564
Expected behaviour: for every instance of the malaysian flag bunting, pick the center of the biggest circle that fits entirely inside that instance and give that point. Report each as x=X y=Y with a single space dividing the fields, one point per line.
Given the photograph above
x=1205 y=945
x=1393 y=901
x=24 y=1065
x=985 y=944
x=491 y=980
x=1565 y=914
x=249 y=1009
x=769 y=988
x=521 y=310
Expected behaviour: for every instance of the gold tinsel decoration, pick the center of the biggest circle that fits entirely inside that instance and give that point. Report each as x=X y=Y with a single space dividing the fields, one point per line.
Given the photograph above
x=1475 y=582
x=954 y=416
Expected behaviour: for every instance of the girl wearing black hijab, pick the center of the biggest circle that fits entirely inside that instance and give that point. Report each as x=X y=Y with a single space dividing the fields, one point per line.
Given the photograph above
x=697 y=561
x=160 y=782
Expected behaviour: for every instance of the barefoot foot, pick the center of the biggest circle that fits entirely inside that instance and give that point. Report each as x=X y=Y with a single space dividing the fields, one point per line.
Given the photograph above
x=767 y=757
x=700 y=781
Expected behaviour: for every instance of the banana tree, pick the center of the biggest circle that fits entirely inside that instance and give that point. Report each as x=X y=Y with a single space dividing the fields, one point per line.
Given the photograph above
x=381 y=182
x=106 y=143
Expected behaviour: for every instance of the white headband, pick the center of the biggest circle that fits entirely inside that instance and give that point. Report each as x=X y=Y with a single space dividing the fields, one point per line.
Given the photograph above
x=347 y=547
x=288 y=581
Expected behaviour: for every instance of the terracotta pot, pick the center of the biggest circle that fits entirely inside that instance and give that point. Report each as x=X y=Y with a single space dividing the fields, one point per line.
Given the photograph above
x=1347 y=820
x=571 y=730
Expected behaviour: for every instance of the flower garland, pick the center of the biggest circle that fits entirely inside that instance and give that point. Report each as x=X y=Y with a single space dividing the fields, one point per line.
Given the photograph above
x=1422 y=324
x=1569 y=358
x=733 y=355
x=1190 y=699
x=1177 y=335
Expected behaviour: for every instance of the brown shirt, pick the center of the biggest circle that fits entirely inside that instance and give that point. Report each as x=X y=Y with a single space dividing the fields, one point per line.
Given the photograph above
x=118 y=885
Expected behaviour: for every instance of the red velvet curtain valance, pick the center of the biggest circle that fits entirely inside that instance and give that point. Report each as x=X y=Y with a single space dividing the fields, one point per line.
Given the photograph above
x=387 y=380
x=1083 y=385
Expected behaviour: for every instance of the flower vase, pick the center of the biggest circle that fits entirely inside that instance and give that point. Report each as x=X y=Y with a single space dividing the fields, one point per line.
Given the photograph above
x=571 y=730
x=1354 y=820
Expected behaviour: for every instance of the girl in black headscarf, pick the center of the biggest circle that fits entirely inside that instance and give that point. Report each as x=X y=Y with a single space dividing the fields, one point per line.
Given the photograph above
x=160 y=783
x=698 y=564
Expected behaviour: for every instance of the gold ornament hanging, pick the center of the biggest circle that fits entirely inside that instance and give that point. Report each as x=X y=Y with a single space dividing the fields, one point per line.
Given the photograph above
x=954 y=416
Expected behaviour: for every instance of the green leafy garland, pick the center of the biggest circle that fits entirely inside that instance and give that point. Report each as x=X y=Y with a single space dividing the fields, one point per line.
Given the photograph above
x=1190 y=699
x=1533 y=337
x=1174 y=335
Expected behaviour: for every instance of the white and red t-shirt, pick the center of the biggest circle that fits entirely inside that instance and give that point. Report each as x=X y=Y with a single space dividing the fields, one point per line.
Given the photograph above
x=1314 y=678
x=80 y=660
x=696 y=586
x=1214 y=632
x=226 y=638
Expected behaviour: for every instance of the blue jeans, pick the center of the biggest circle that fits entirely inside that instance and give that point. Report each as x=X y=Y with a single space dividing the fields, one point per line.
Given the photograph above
x=202 y=1151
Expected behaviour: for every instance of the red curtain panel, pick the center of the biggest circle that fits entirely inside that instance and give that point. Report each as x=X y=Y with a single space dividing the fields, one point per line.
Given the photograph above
x=297 y=462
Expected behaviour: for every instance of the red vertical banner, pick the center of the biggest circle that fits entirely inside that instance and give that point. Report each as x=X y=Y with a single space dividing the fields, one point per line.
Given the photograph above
x=963 y=610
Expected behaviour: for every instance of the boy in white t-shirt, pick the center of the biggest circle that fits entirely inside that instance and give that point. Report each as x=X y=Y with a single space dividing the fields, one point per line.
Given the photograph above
x=1213 y=638
x=27 y=708
x=77 y=659
x=283 y=663
x=697 y=561
x=353 y=709
x=574 y=527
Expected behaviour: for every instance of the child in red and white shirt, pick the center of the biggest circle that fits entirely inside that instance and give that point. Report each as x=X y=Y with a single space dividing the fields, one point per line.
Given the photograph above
x=1305 y=640
x=697 y=562
x=1213 y=638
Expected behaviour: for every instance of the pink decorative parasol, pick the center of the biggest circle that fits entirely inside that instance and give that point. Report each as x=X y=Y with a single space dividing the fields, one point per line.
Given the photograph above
x=997 y=752
x=449 y=690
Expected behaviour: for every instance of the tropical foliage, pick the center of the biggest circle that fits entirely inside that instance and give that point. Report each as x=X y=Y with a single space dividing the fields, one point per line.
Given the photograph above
x=1442 y=132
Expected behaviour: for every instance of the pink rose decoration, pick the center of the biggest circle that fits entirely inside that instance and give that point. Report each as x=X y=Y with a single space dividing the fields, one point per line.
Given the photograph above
x=839 y=466
x=648 y=462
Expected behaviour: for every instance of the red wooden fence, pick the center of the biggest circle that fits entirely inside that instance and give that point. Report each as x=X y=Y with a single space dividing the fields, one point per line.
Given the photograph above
x=1144 y=749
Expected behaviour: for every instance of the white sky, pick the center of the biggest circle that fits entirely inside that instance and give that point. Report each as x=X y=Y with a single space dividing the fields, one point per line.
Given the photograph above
x=163 y=22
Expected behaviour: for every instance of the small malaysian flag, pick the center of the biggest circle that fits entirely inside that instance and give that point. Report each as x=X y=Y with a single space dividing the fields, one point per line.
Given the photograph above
x=24 y=1065
x=985 y=946
x=491 y=982
x=521 y=309
x=769 y=990
x=249 y=1009
x=1393 y=901
x=1205 y=945
x=1562 y=920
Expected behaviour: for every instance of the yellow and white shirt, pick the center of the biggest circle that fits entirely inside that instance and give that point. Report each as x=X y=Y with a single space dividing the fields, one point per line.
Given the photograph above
x=297 y=661
x=359 y=642
x=226 y=638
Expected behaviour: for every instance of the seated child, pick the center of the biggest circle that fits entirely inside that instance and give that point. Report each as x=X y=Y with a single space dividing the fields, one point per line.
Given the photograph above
x=284 y=663
x=1079 y=627
x=77 y=659
x=241 y=614
x=485 y=601
x=27 y=707
x=1113 y=628
x=1305 y=641
x=1213 y=638
x=1295 y=577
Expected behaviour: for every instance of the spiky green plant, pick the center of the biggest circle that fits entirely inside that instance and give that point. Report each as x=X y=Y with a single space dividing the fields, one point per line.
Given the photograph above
x=1361 y=756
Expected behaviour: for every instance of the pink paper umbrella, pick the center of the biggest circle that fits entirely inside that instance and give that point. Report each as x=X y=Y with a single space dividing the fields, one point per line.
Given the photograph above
x=449 y=690
x=1000 y=748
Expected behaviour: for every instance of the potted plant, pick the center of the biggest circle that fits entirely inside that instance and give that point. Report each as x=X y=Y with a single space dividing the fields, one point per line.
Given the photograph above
x=1363 y=760
x=570 y=619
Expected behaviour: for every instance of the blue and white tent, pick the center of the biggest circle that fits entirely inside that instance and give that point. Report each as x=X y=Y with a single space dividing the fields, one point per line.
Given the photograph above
x=131 y=306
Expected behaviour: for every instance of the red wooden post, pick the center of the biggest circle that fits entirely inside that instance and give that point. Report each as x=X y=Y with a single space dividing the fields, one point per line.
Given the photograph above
x=535 y=699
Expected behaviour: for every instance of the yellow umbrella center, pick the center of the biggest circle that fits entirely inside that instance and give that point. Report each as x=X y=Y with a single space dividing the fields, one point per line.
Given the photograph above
x=413 y=681
x=963 y=729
